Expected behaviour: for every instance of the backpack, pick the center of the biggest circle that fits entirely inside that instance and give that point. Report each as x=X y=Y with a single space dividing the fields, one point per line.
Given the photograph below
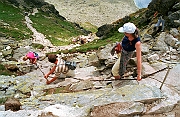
x=71 y=65
x=36 y=55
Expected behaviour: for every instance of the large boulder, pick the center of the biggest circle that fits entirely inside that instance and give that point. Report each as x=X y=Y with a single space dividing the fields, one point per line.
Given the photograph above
x=12 y=104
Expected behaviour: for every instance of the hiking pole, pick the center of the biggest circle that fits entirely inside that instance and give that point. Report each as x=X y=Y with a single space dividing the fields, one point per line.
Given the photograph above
x=104 y=79
x=114 y=79
x=166 y=74
x=125 y=78
x=165 y=77
x=40 y=69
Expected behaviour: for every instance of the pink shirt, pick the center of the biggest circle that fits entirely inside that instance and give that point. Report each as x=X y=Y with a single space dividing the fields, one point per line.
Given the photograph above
x=31 y=56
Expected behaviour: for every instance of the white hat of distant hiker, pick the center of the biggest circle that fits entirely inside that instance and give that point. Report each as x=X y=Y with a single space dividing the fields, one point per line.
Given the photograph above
x=127 y=28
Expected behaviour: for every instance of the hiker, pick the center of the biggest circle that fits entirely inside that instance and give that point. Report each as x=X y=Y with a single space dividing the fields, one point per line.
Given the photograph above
x=58 y=68
x=161 y=22
x=125 y=50
x=32 y=56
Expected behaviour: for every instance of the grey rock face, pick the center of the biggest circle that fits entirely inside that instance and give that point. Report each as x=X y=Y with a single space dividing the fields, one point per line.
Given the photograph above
x=97 y=12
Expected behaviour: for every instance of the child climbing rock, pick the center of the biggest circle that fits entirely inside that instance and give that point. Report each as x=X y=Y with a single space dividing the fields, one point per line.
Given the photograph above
x=32 y=56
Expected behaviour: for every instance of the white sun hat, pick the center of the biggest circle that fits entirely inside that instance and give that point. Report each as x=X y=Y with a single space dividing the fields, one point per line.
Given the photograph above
x=127 y=28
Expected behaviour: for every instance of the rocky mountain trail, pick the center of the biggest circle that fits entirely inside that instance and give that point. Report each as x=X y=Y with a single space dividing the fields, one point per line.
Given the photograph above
x=73 y=94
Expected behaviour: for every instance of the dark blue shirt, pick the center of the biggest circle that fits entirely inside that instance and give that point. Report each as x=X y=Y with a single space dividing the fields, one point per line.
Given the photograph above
x=129 y=45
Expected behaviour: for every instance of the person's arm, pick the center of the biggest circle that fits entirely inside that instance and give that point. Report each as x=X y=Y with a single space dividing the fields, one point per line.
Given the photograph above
x=35 y=60
x=30 y=60
x=138 y=55
x=49 y=81
x=50 y=72
x=117 y=48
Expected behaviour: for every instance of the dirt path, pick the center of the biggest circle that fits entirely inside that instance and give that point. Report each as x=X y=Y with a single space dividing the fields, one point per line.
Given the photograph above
x=38 y=37
x=41 y=39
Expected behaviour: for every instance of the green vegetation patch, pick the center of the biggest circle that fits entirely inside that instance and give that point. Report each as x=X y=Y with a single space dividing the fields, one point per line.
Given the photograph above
x=3 y=100
x=12 y=22
x=38 y=46
x=94 y=45
x=57 y=90
x=89 y=26
x=59 y=32
x=4 y=71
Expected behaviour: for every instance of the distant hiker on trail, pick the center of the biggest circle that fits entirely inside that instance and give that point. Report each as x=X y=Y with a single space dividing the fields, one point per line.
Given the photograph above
x=125 y=49
x=32 y=56
x=58 y=68
x=160 y=21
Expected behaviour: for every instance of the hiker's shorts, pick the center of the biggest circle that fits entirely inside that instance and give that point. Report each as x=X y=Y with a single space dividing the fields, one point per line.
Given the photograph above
x=70 y=73
x=125 y=57
x=115 y=68
x=119 y=67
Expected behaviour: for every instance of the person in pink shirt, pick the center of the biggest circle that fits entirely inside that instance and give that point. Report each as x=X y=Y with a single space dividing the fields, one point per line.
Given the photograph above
x=32 y=56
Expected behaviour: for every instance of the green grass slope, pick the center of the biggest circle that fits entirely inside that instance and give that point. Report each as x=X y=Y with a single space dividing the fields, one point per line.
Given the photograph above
x=12 y=22
x=59 y=32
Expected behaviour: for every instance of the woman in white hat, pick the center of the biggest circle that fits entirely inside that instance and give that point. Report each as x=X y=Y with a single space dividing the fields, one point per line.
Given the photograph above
x=129 y=43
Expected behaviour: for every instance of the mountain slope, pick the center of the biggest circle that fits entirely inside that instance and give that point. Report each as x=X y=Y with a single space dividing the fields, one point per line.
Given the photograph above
x=47 y=21
x=97 y=12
